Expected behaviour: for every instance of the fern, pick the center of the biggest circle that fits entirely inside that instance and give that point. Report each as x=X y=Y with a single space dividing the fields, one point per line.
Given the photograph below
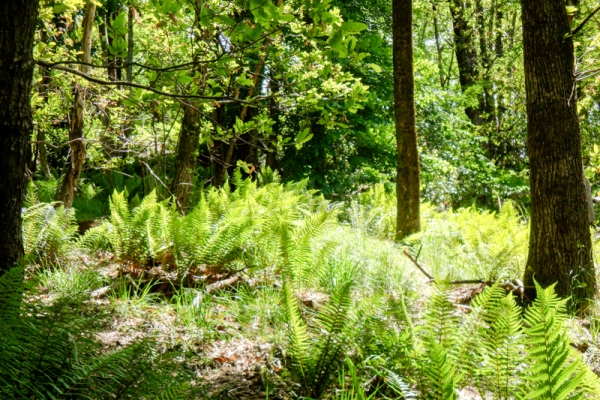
x=475 y=330
x=556 y=371
x=46 y=352
x=271 y=225
x=298 y=339
x=316 y=360
x=436 y=369
x=48 y=231
x=502 y=348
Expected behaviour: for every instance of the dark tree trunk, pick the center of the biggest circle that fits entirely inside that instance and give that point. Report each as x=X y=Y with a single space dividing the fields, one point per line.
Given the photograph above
x=271 y=158
x=407 y=180
x=438 y=45
x=189 y=136
x=187 y=154
x=560 y=243
x=130 y=44
x=466 y=55
x=76 y=123
x=17 y=28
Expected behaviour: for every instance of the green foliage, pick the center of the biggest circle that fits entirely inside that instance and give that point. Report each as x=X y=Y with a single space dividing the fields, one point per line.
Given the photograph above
x=226 y=228
x=557 y=371
x=317 y=355
x=48 y=230
x=497 y=349
x=47 y=352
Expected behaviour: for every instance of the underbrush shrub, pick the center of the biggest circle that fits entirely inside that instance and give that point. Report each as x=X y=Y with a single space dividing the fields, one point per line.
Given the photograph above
x=273 y=225
x=49 y=230
x=467 y=243
x=48 y=351
x=497 y=350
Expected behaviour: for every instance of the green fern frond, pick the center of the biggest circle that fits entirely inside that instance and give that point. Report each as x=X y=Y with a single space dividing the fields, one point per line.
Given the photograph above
x=298 y=339
x=439 y=372
x=502 y=349
x=441 y=321
x=333 y=324
x=556 y=371
x=48 y=231
x=484 y=312
x=174 y=393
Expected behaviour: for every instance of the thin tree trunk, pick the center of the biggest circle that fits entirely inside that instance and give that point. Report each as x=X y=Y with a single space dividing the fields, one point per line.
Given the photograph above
x=187 y=153
x=130 y=47
x=17 y=29
x=466 y=55
x=41 y=132
x=407 y=180
x=559 y=242
x=76 y=123
x=189 y=136
x=438 y=45
x=271 y=158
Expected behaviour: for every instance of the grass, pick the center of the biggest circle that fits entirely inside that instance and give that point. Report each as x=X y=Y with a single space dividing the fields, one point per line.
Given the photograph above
x=69 y=280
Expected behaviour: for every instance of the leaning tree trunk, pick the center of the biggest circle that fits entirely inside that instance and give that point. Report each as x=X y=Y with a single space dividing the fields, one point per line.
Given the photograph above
x=559 y=243
x=17 y=28
x=407 y=178
x=77 y=155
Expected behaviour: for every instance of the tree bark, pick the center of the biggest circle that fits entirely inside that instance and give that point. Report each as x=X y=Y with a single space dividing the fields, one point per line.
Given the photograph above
x=559 y=243
x=187 y=153
x=407 y=179
x=76 y=123
x=17 y=28
x=438 y=45
x=189 y=136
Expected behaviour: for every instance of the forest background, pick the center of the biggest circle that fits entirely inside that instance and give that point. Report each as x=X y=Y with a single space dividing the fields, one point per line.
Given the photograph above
x=247 y=142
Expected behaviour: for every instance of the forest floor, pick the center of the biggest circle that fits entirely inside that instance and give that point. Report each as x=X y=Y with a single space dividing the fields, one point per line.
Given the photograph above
x=228 y=353
x=331 y=286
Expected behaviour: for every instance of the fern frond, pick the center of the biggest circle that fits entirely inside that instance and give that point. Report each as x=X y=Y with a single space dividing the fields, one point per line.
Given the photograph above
x=440 y=374
x=298 y=339
x=502 y=349
x=174 y=393
x=441 y=321
x=333 y=323
x=556 y=371
x=484 y=311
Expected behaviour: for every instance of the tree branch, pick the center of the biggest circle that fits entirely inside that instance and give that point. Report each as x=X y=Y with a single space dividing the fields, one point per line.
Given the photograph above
x=218 y=99
x=585 y=21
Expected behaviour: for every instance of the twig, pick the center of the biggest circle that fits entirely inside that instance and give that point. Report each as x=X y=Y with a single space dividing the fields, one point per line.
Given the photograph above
x=585 y=21
x=431 y=279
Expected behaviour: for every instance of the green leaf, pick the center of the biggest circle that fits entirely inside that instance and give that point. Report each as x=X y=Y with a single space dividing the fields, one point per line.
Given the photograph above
x=351 y=27
x=375 y=67
x=185 y=79
x=58 y=8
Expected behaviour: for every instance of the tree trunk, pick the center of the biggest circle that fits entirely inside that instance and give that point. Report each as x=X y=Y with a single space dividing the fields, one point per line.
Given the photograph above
x=559 y=243
x=17 y=28
x=41 y=131
x=438 y=45
x=189 y=136
x=187 y=153
x=466 y=56
x=77 y=155
x=407 y=179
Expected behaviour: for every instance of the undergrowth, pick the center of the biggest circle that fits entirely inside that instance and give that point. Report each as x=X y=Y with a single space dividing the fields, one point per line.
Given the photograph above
x=321 y=281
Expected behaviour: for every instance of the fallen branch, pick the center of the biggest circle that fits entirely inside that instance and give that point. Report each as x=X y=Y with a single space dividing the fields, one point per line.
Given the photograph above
x=431 y=278
x=516 y=286
x=225 y=283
